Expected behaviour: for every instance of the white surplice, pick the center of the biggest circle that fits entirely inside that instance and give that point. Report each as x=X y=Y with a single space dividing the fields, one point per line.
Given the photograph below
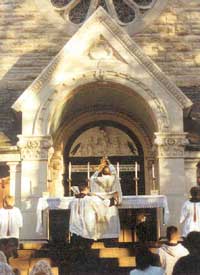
x=190 y=217
x=10 y=222
x=88 y=217
x=170 y=254
x=104 y=185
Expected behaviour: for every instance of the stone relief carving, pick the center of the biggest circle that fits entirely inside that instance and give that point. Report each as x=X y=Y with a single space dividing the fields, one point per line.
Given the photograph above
x=103 y=141
x=171 y=145
x=35 y=148
x=127 y=13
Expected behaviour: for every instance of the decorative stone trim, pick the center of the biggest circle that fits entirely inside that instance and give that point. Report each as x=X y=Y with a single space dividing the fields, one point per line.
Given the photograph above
x=34 y=147
x=171 y=145
x=102 y=17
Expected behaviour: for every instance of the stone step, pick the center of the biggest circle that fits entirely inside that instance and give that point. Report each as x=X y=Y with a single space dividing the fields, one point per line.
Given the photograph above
x=114 y=252
x=127 y=261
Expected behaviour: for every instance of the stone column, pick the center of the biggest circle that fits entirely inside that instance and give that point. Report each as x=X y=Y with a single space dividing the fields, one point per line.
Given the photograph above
x=15 y=180
x=170 y=154
x=34 y=173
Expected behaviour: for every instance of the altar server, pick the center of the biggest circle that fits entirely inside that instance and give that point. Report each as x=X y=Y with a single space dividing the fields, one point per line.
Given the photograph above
x=190 y=213
x=10 y=221
x=172 y=250
x=88 y=215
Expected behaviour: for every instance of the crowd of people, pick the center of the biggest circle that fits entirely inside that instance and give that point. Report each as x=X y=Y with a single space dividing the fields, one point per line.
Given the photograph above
x=172 y=258
x=94 y=215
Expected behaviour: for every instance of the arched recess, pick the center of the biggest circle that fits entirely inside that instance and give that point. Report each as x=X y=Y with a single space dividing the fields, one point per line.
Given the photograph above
x=48 y=117
x=65 y=135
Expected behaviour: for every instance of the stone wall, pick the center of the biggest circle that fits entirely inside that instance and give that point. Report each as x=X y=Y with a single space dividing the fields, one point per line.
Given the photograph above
x=28 y=42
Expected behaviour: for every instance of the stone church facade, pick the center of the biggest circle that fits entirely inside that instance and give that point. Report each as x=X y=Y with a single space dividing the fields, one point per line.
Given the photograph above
x=67 y=68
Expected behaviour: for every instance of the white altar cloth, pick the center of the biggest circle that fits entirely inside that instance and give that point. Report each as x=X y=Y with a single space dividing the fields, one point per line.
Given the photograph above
x=128 y=202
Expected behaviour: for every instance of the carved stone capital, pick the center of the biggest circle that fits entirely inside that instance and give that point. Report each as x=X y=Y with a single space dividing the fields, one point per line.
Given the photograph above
x=34 y=147
x=171 y=145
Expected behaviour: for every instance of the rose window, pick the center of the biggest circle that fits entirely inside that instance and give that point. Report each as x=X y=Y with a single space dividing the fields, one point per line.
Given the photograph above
x=133 y=15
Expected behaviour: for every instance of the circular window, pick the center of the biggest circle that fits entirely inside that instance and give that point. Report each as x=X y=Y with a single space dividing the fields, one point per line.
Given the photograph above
x=132 y=15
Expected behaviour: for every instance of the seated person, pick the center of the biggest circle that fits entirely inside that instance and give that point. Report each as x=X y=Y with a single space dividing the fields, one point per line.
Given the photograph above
x=145 y=263
x=172 y=250
x=190 y=264
x=6 y=269
x=42 y=267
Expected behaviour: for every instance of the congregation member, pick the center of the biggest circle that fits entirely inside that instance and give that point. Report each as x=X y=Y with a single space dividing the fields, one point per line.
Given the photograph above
x=190 y=264
x=7 y=247
x=172 y=250
x=190 y=213
x=6 y=269
x=10 y=220
x=42 y=267
x=147 y=263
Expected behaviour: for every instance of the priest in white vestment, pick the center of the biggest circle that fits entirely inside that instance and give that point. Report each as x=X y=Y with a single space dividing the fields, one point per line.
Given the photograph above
x=104 y=182
x=88 y=214
x=190 y=212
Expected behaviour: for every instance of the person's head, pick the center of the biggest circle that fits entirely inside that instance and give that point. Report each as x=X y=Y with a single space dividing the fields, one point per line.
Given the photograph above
x=141 y=218
x=192 y=242
x=104 y=160
x=106 y=171
x=84 y=188
x=42 y=267
x=172 y=233
x=8 y=246
x=8 y=201
x=195 y=192
x=143 y=258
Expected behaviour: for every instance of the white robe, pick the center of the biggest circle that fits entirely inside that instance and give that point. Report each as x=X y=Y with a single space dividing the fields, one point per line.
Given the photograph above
x=10 y=222
x=88 y=217
x=170 y=254
x=187 y=217
x=105 y=185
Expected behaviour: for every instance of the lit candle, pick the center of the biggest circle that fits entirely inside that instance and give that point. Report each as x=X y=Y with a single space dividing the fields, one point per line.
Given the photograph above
x=153 y=171
x=70 y=171
x=88 y=170
x=136 y=170
x=136 y=178
x=118 y=169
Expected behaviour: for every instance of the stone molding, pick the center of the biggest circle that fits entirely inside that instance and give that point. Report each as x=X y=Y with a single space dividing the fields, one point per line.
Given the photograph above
x=103 y=18
x=34 y=147
x=53 y=101
x=170 y=145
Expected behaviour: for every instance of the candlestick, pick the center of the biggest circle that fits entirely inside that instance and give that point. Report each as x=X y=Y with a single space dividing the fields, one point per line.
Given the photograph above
x=136 y=169
x=70 y=170
x=153 y=176
x=136 y=178
x=88 y=170
x=118 y=169
x=153 y=171
x=70 y=177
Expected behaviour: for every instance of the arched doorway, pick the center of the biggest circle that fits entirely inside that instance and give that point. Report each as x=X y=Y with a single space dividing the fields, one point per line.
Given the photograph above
x=105 y=138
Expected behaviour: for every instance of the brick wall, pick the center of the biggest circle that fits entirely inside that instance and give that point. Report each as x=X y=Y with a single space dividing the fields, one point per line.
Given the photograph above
x=28 y=42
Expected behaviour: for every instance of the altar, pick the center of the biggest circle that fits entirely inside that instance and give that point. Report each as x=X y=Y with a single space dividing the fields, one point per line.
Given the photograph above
x=157 y=202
